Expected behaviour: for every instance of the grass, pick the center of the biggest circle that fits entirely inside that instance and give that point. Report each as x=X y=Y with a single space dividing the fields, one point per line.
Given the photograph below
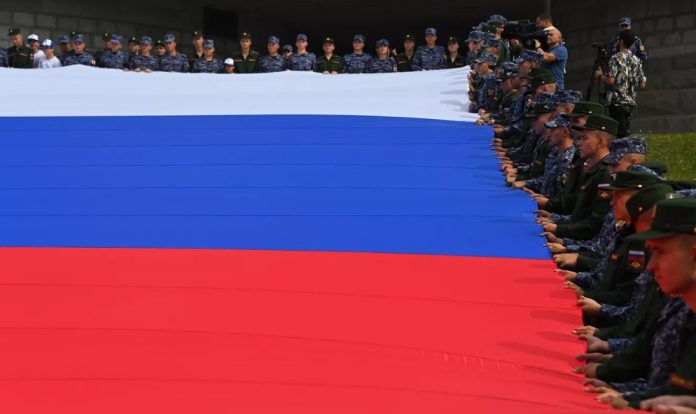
x=678 y=151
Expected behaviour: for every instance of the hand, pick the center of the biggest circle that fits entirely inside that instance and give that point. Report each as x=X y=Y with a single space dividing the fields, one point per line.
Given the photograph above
x=669 y=404
x=594 y=382
x=589 y=307
x=550 y=227
x=575 y=288
x=595 y=344
x=568 y=275
x=589 y=370
x=620 y=404
x=518 y=184
x=136 y=70
x=551 y=238
x=593 y=357
x=666 y=409
x=567 y=260
x=543 y=220
x=598 y=73
x=541 y=201
x=542 y=213
x=585 y=332
x=609 y=396
x=556 y=248
x=537 y=45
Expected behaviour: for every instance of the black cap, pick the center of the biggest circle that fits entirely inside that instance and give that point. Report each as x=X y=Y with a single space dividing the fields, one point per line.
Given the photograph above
x=133 y=39
x=106 y=36
x=329 y=39
x=599 y=123
x=646 y=199
x=14 y=32
x=630 y=180
x=197 y=34
x=159 y=43
x=409 y=37
x=246 y=35
x=584 y=108
x=672 y=217
x=452 y=39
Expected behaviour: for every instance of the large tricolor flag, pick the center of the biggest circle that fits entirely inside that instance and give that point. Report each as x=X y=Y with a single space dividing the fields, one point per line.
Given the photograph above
x=281 y=243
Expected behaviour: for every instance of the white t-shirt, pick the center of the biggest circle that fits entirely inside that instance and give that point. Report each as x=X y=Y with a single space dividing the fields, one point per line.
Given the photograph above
x=38 y=57
x=53 y=62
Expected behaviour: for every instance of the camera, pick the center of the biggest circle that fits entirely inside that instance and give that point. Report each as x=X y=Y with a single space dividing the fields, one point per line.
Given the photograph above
x=526 y=32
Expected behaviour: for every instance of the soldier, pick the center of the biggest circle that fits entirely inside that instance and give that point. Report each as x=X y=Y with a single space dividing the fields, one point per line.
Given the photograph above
x=496 y=25
x=557 y=162
x=115 y=58
x=588 y=206
x=197 y=53
x=273 y=62
x=357 y=61
x=209 y=63
x=487 y=84
x=106 y=39
x=173 y=61
x=80 y=56
x=229 y=66
x=329 y=63
x=382 y=62
x=160 y=50
x=287 y=51
x=246 y=60
x=454 y=59
x=303 y=60
x=474 y=43
x=64 y=45
x=19 y=55
x=145 y=61
x=429 y=56
x=637 y=48
x=3 y=58
x=133 y=47
x=404 y=60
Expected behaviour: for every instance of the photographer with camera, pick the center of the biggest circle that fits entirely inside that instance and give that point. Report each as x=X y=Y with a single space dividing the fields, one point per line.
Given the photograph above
x=556 y=58
x=624 y=78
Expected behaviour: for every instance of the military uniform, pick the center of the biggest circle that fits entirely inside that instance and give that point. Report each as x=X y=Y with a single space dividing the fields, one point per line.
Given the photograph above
x=86 y=58
x=176 y=63
x=403 y=62
x=193 y=57
x=4 y=62
x=637 y=48
x=459 y=61
x=354 y=63
x=20 y=57
x=268 y=64
x=386 y=65
x=648 y=361
x=306 y=62
x=114 y=60
x=333 y=64
x=551 y=183
x=487 y=93
x=214 y=65
x=615 y=315
x=427 y=58
x=144 y=62
x=248 y=64
x=591 y=251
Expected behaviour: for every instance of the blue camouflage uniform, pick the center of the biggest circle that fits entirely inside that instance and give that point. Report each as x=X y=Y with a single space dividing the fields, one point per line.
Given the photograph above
x=208 y=66
x=176 y=63
x=4 y=62
x=615 y=315
x=86 y=58
x=377 y=65
x=269 y=64
x=427 y=58
x=353 y=63
x=306 y=62
x=636 y=48
x=144 y=62
x=487 y=98
x=600 y=242
x=551 y=183
x=665 y=348
x=591 y=280
x=114 y=60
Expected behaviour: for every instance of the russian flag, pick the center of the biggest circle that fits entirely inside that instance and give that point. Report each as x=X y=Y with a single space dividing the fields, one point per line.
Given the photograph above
x=290 y=242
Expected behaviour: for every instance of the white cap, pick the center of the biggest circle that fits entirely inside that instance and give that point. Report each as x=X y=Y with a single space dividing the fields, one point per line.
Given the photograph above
x=48 y=43
x=33 y=36
x=229 y=61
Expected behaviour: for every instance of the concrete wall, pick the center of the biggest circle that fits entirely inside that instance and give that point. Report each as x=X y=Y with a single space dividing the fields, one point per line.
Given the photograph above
x=668 y=29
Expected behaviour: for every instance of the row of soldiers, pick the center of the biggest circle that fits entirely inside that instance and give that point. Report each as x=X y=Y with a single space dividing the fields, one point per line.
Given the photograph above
x=622 y=235
x=145 y=54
